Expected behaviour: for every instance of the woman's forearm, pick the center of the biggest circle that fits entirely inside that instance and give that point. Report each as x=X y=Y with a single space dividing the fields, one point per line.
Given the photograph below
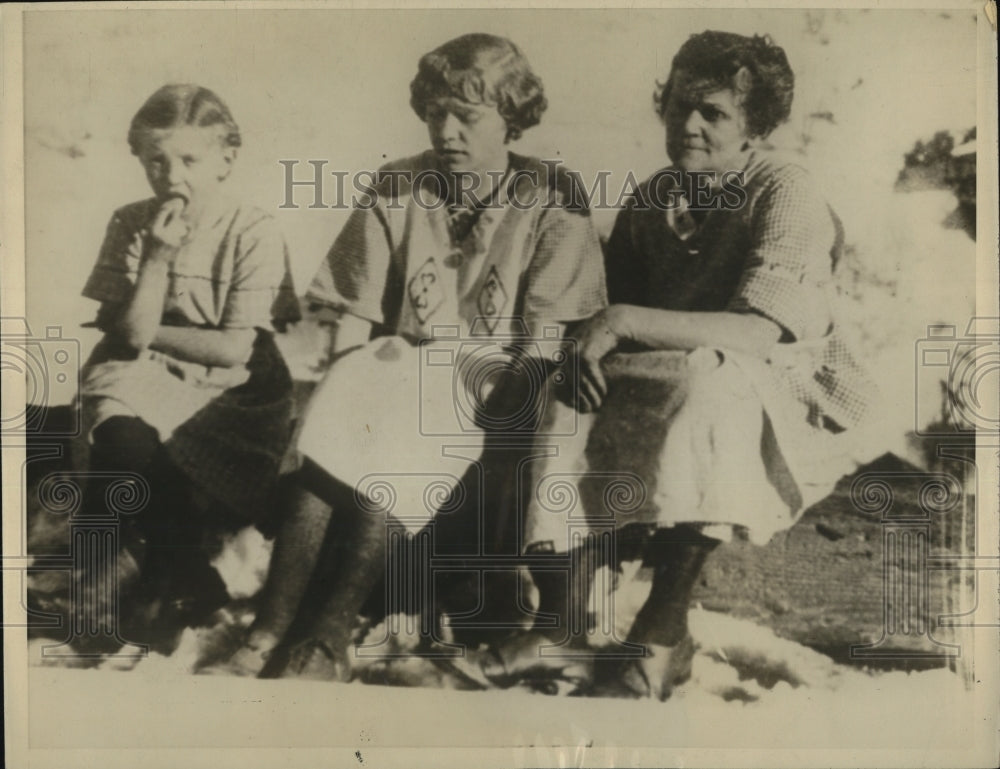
x=207 y=347
x=676 y=330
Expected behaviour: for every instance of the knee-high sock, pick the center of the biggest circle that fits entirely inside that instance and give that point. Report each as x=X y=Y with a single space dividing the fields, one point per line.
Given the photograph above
x=362 y=562
x=128 y=445
x=121 y=444
x=303 y=547
x=568 y=595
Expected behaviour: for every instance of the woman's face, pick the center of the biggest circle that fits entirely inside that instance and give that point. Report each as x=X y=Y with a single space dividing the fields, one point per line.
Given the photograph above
x=467 y=137
x=706 y=130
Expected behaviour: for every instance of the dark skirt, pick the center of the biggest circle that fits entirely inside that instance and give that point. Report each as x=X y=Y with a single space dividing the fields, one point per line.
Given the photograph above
x=231 y=449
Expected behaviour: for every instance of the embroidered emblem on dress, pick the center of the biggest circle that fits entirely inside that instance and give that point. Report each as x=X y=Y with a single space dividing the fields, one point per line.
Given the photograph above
x=425 y=291
x=492 y=299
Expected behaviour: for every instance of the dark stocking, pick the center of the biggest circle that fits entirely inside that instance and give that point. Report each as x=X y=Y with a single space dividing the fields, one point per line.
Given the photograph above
x=297 y=551
x=355 y=562
x=677 y=556
x=362 y=563
x=567 y=595
x=121 y=444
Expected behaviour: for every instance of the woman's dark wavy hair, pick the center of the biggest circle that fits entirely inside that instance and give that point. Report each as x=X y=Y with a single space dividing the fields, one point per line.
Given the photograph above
x=481 y=69
x=714 y=58
x=178 y=105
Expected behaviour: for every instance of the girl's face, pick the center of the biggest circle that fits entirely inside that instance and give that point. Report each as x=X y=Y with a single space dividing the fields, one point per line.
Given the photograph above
x=467 y=137
x=706 y=130
x=187 y=162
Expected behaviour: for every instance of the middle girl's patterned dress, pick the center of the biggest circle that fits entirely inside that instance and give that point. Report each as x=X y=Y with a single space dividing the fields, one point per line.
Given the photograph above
x=478 y=281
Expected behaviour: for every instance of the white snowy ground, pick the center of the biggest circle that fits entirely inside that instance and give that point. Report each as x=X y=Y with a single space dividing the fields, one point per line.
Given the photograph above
x=749 y=690
x=815 y=705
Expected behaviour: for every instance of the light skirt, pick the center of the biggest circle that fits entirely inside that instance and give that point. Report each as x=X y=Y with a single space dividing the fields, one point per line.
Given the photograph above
x=387 y=422
x=701 y=438
x=160 y=390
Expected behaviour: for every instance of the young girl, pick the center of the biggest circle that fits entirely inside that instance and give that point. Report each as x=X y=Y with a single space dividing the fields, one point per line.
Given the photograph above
x=465 y=237
x=187 y=387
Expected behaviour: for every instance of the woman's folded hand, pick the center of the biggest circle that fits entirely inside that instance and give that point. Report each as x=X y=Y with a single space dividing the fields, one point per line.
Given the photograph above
x=591 y=341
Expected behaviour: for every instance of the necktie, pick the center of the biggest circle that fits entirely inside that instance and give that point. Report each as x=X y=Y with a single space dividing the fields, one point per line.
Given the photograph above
x=681 y=220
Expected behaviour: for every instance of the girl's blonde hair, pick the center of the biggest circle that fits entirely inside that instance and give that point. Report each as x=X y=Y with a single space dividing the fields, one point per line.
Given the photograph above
x=183 y=104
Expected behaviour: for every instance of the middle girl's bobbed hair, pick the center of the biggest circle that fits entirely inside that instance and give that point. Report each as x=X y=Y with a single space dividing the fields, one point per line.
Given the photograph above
x=481 y=69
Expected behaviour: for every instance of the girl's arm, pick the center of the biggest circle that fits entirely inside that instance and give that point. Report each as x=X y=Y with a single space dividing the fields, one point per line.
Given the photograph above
x=138 y=325
x=207 y=347
x=139 y=319
x=138 y=322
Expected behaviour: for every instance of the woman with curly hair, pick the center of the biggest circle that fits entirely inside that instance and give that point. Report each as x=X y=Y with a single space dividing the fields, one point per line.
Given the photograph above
x=715 y=382
x=467 y=237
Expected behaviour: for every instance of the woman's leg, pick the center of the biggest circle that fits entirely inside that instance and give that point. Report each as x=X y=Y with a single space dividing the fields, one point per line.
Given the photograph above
x=300 y=549
x=676 y=555
x=567 y=595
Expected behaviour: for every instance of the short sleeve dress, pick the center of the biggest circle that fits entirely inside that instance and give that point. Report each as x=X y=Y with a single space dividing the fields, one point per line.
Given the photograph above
x=717 y=438
x=225 y=427
x=530 y=255
x=512 y=269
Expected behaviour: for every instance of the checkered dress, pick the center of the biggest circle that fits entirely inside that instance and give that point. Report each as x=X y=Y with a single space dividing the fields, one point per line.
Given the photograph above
x=714 y=438
x=773 y=256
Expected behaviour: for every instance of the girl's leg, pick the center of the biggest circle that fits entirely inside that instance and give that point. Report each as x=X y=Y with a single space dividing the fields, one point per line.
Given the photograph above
x=564 y=597
x=324 y=652
x=179 y=585
x=297 y=552
x=120 y=445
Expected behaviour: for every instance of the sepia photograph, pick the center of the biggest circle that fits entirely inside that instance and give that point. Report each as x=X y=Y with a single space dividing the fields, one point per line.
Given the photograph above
x=467 y=384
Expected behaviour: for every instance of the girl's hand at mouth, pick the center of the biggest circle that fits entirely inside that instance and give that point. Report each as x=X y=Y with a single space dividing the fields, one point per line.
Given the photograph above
x=168 y=229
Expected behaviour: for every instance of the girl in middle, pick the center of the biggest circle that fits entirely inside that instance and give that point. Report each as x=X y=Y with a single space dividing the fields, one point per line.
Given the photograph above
x=466 y=235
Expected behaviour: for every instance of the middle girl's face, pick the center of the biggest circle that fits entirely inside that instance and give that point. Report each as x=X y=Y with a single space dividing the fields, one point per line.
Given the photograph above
x=467 y=137
x=187 y=162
